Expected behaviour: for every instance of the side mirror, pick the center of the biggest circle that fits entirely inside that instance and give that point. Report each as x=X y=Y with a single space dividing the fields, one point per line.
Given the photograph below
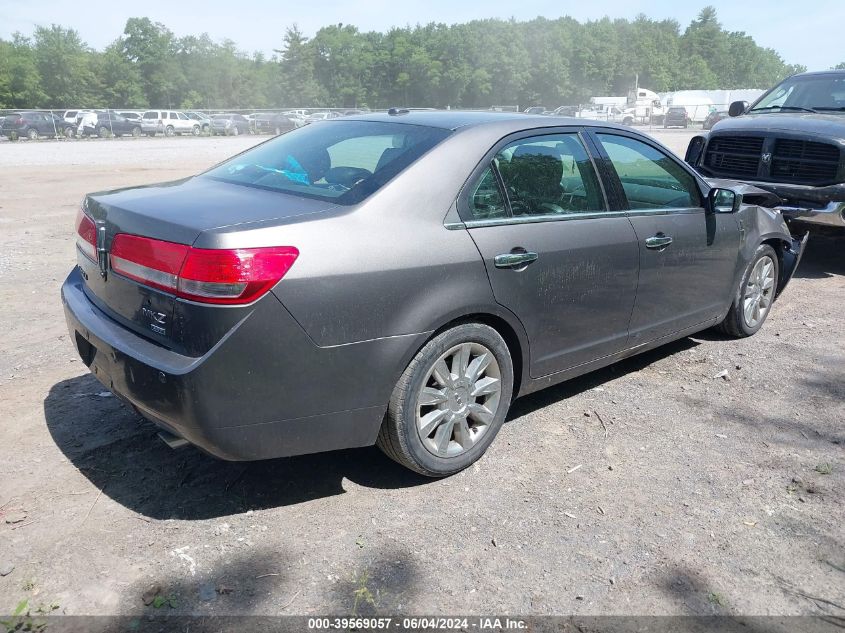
x=695 y=149
x=737 y=108
x=723 y=201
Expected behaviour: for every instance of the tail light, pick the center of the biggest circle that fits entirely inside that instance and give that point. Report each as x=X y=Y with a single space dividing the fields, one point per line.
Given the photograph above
x=86 y=236
x=222 y=276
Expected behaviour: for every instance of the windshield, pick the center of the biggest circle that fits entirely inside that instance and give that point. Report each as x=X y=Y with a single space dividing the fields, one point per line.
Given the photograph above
x=341 y=161
x=823 y=93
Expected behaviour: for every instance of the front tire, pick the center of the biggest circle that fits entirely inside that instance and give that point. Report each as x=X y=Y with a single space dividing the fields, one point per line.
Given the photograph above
x=754 y=297
x=169 y=131
x=450 y=402
x=32 y=134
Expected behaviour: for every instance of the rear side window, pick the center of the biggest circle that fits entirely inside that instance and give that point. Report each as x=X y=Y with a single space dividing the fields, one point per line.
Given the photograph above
x=650 y=178
x=151 y=115
x=486 y=201
x=341 y=161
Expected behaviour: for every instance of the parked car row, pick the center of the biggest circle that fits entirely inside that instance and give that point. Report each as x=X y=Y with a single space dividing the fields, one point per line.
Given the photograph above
x=108 y=123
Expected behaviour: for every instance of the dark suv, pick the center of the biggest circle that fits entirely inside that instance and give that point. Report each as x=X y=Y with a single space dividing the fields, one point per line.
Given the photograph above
x=676 y=116
x=791 y=141
x=34 y=125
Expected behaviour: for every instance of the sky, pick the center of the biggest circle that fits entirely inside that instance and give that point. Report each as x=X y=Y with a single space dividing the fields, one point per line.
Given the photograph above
x=808 y=34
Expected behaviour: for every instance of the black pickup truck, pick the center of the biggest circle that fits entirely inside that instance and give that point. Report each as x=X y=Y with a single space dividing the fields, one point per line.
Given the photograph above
x=791 y=142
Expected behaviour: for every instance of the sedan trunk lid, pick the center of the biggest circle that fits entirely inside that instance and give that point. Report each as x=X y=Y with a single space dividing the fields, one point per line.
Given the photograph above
x=175 y=212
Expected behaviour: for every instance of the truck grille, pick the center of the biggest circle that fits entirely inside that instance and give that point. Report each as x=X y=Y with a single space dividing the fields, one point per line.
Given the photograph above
x=804 y=162
x=734 y=156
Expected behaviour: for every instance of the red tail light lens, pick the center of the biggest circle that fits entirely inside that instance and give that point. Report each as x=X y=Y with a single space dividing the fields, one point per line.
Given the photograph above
x=230 y=276
x=150 y=262
x=86 y=236
x=233 y=276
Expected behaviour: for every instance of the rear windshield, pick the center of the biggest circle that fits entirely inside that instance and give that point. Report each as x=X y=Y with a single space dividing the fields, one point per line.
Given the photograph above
x=341 y=161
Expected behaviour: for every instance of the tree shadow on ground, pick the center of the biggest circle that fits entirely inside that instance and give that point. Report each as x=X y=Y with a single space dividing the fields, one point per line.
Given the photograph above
x=119 y=452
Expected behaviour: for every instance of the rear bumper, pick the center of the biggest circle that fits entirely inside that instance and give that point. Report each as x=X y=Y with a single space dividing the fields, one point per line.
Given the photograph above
x=265 y=390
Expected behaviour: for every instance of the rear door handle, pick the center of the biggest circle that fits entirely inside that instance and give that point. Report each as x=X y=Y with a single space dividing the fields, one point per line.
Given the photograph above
x=514 y=260
x=658 y=241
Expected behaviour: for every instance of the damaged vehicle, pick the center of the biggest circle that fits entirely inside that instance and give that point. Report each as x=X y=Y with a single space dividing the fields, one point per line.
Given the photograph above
x=791 y=142
x=400 y=278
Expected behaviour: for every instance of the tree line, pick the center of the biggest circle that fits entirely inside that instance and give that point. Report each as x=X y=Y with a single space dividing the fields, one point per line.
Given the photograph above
x=476 y=64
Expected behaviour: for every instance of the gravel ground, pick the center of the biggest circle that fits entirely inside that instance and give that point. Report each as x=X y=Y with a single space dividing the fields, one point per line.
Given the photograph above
x=650 y=487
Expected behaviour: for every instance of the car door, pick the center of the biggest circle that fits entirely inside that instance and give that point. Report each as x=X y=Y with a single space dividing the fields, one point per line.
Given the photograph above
x=555 y=255
x=687 y=255
x=185 y=123
x=43 y=124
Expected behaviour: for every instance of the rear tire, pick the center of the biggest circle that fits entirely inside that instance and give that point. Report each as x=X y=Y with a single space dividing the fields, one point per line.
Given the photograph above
x=454 y=427
x=32 y=134
x=103 y=132
x=753 y=298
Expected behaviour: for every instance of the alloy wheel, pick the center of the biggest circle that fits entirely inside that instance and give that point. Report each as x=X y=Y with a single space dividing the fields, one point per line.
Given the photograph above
x=458 y=399
x=759 y=292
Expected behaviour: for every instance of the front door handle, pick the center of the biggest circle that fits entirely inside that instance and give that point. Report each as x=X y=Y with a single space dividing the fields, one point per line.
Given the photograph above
x=658 y=241
x=514 y=260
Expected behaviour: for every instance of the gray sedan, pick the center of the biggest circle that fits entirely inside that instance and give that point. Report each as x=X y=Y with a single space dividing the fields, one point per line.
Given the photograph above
x=401 y=278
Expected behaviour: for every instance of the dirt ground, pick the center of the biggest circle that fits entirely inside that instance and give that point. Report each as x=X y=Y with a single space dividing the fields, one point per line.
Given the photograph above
x=651 y=487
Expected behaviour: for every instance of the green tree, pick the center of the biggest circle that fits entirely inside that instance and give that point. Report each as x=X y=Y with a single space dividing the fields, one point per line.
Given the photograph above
x=297 y=85
x=120 y=80
x=63 y=62
x=20 y=81
x=151 y=47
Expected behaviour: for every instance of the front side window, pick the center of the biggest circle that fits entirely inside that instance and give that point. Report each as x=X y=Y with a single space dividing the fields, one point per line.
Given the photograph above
x=549 y=175
x=182 y=116
x=173 y=115
x=341 y=161
x=650 y=178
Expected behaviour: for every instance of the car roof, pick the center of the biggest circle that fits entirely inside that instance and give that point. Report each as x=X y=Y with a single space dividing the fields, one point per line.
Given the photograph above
x=822 y=73
x=454 y=119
